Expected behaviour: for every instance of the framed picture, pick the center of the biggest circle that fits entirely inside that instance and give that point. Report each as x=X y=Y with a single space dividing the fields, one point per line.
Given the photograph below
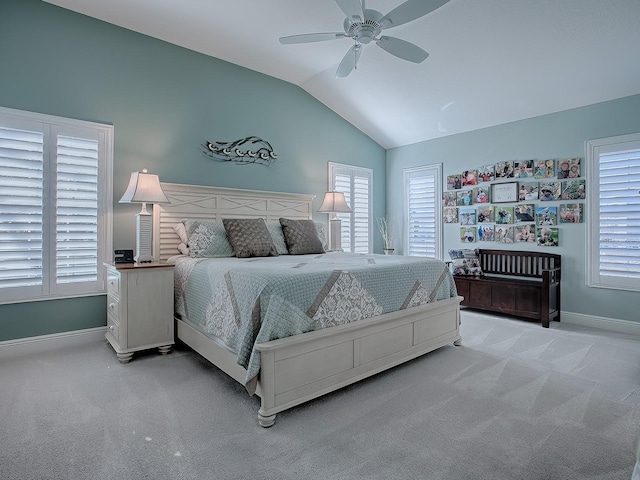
x=504 y=192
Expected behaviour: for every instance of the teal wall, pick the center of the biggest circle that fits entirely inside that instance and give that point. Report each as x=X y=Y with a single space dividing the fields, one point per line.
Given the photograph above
x=559 y=135
x=164 y=102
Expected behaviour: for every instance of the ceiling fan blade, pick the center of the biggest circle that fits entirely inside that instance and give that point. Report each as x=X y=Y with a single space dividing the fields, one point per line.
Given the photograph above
x=352 y=9
x=409 y=11
x=349 y=61
x=311 y=37
x=402 y=49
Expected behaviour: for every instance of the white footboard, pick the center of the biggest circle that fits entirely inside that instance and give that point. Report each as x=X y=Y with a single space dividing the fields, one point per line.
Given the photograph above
x=299 y=368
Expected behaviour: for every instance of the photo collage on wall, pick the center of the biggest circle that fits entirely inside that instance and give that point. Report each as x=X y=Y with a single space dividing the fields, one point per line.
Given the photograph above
x=510 y=202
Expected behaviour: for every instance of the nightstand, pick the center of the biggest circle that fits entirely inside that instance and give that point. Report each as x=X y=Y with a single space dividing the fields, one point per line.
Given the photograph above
x=139 y=308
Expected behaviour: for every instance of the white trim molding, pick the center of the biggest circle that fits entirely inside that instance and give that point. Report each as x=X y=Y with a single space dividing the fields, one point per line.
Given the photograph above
x=602 y=323
x=45 y=343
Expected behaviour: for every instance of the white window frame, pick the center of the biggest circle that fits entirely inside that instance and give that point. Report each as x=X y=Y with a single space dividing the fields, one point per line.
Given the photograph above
x=51 y=126
x=348 y=236
x=435 y=171
x=596 y=276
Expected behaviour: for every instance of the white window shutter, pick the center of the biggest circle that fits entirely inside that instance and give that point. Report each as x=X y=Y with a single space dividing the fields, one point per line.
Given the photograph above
x=356 y=184
x=620 y=214
x=76 y=210
x=21 y=208
x=423 y=199
x=613 y=217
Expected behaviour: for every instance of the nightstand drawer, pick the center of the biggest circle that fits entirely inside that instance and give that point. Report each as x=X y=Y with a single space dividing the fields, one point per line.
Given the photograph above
x=113 y=307
x=113 y=282
x=113 y=327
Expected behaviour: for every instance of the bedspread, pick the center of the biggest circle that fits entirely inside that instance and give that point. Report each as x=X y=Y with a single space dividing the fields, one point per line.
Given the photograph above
x=247 y=301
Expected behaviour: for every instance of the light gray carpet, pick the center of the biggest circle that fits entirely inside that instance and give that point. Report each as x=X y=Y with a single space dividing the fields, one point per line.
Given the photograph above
x=516 y=401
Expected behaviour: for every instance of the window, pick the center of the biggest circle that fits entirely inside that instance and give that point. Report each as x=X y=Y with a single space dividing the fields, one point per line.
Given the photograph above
x=356 y=184
x=55 y=206
x=423 y=211
x=613 y=215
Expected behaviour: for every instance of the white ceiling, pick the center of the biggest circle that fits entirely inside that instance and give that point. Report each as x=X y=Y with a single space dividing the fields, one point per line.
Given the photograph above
x=491 y=61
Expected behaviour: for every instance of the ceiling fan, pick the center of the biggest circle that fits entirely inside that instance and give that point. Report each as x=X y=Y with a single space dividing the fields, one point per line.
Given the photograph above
x=364 y=26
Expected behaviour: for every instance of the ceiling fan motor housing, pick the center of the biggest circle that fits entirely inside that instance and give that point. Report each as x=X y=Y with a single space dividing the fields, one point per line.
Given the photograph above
x=366 y=31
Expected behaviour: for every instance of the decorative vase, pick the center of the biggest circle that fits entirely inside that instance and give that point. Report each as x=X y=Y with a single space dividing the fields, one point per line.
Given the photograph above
x=389 y=251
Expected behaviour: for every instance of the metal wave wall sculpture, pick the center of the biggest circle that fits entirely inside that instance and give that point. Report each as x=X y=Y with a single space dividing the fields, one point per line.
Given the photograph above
x=247 y=151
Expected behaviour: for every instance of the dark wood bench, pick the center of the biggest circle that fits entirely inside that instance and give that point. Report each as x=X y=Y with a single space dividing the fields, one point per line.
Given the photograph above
x=523 y=284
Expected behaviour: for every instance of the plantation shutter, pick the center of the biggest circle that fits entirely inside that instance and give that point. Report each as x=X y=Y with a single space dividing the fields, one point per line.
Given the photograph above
x=55 y=204
x=356 y=184
x=423 y=211
x=619 y=212
x=76 y=210
x=21 y=208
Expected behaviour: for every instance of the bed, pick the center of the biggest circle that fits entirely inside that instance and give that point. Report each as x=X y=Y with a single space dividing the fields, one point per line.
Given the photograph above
x=283 y=367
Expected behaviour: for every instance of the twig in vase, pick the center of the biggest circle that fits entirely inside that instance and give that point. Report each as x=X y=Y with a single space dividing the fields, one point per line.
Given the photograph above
x=386 y=230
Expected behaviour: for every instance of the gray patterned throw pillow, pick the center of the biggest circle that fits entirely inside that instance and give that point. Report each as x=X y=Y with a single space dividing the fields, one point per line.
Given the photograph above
x=249 y=237
x=207 y=238
x=301 y=236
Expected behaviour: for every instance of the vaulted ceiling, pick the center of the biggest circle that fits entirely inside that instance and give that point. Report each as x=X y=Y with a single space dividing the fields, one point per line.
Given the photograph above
x=491 y=61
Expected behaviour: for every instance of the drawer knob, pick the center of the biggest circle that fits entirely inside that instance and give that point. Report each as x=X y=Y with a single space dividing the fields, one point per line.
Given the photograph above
x=111 y=327
x=112 y=306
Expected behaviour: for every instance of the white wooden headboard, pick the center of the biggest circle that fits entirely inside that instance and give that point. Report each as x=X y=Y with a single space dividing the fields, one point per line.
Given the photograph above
x=202 y=202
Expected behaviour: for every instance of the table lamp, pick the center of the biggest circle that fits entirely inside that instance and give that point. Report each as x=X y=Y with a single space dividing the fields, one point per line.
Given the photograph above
x=334 y=202
x=144 y=188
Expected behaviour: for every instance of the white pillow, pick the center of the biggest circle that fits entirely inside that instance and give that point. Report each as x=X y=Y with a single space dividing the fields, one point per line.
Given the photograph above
x=181 y=231
x=321 y=228
x=183 y=249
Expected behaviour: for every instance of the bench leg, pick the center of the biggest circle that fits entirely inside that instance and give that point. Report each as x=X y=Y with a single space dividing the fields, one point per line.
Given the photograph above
x=545 y=318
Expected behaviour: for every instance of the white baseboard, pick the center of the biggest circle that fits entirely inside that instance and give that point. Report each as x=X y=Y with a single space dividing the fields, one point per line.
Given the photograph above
x=603 y=323
x=44 y=343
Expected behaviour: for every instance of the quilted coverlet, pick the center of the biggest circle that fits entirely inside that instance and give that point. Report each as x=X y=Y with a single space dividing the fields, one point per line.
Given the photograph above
x=244 y=301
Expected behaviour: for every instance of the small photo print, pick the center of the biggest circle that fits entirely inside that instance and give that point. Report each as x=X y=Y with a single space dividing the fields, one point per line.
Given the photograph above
x=547 y=237
x=487 y=173
x=464 y=198
x=468 y=234
x=481 y=195
x=454 y=182
x=504 y=234
x=525 y=212
x=486 y=233
x=467 y=216
x=523 y=169
x=504 y=170
x=544 y=169
x=546 y=216
x=449 y=199
x=485 y=214
x=571 y=213
x=525 y=233
x=573 y=190
x=504 y=215
x=569 y=168
x=450 y=215
x=528 y=191
x=469 y=178
x=550 y=191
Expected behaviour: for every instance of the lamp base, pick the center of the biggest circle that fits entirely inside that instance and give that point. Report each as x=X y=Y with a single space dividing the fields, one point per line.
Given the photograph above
x=143 y=238
x=335 y=241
